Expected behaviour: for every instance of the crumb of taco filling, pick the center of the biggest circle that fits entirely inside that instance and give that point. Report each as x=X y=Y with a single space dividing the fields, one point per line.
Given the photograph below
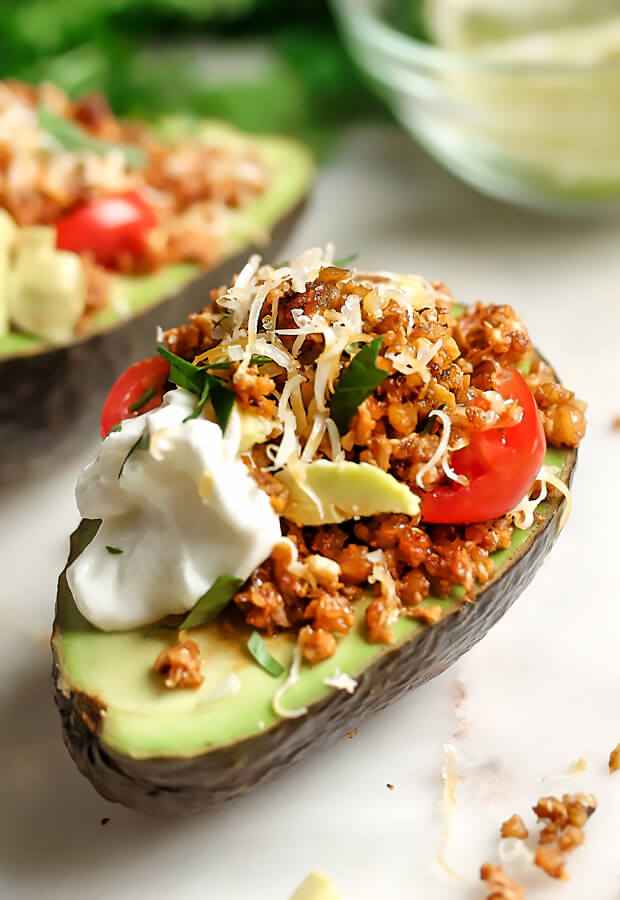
x=514 y=827
x=563 y=822
x=180 y=666
x=502 y=887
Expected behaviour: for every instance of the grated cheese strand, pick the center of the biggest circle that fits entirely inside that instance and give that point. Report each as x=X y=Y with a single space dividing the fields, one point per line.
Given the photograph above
x=442 y=447
x=292 y=678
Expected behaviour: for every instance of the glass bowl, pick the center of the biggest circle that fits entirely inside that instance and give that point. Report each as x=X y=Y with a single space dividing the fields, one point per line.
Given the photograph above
x=540 y=135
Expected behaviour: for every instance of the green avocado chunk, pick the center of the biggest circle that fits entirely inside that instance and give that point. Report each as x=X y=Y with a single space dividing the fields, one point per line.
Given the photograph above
x=170 y=751
x=291 y=167
x=344 y=490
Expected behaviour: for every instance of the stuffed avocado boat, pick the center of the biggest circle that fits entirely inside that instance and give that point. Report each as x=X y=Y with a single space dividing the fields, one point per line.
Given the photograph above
x=101 y=220
x=326 y=487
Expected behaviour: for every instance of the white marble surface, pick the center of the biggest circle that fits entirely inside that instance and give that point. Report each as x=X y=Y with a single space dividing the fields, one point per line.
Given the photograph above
x=539 y=692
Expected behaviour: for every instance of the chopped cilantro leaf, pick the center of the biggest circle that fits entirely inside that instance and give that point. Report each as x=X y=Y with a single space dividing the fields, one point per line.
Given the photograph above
x=356 y=382
x=198 y=381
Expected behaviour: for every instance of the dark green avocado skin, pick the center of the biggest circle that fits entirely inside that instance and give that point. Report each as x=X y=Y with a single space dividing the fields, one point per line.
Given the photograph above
x=51 y=400
x=181 y=786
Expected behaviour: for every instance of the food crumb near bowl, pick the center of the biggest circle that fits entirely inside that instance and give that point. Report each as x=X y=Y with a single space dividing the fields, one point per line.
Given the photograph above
x=502 y=886
x=614 y=759
x=563 y=822
x=351 y=734
x=390 y=787
x=105 y=820
x=514 y=827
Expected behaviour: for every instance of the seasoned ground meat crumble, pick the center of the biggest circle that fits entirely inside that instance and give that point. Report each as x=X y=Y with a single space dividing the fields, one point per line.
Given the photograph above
x=392 y=430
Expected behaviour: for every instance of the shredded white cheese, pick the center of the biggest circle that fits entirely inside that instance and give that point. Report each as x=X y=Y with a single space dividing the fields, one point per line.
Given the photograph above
x=523 y=514
x=292 y=678
x=442 y=447
x=342 y=681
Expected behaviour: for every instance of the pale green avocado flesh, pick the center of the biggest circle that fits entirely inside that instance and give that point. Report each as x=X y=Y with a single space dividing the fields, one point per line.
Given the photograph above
x=337 y=491
x=291 y=167
x=143 y=719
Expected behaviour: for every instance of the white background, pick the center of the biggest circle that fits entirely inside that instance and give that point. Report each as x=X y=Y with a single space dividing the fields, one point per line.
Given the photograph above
x=539 y=692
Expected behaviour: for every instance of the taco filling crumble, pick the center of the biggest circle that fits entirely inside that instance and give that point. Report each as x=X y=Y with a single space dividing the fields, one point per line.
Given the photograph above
x=317 y=435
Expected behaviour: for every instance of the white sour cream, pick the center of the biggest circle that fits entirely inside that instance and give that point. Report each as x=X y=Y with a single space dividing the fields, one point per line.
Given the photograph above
x=183 y=512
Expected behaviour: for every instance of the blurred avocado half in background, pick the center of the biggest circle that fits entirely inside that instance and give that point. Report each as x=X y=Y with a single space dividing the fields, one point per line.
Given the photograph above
x=262 y=65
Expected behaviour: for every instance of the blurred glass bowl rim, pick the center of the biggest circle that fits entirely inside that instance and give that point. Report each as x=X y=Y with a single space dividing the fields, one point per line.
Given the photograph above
x=540 y=134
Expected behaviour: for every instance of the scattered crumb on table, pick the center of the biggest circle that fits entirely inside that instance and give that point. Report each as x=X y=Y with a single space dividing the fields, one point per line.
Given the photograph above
x=390 y=787
x=351 y=734
x=614 y=759
x=502 y=887
x=514 y=827
x=105 y=820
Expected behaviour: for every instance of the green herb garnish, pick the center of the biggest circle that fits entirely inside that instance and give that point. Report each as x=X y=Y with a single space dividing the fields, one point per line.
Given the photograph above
x=357 y=382
x=198 y=381
x=113 y=550
x=222 y=400
x=344 y=262
x=142 y=400
x=211 y=604
x=118 y=427
x=227 y=363
x=263 y=657
x=71 y=137
x=141 y=444
x=197 y=410
x=183 y=373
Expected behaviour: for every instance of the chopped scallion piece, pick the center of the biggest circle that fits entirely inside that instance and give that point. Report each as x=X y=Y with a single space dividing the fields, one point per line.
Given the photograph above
x=113 y=550
x=143 y=399
x=142 y=443
x=344 y=262
x=263 y=657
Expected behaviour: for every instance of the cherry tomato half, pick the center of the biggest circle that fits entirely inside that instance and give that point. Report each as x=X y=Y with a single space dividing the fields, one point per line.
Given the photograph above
x=500 y=463
x=137 y=390
x=107 y=228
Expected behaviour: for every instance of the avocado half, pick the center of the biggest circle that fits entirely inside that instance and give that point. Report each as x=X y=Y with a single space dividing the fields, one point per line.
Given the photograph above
x=49 y=390
x=176 y=752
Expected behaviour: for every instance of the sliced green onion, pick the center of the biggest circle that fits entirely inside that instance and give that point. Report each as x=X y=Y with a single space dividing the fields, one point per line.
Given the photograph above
x=142 y=443
x=263 y=657
x=142 y=400
x=113 y=550
x=344 y=262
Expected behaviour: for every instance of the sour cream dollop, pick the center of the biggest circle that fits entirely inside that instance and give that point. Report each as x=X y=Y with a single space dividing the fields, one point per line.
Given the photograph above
x=183 y=512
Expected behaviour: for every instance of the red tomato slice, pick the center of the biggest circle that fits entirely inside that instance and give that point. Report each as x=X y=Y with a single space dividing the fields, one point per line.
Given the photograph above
x=107 y=228
x=500 y=463
x=137 y=390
